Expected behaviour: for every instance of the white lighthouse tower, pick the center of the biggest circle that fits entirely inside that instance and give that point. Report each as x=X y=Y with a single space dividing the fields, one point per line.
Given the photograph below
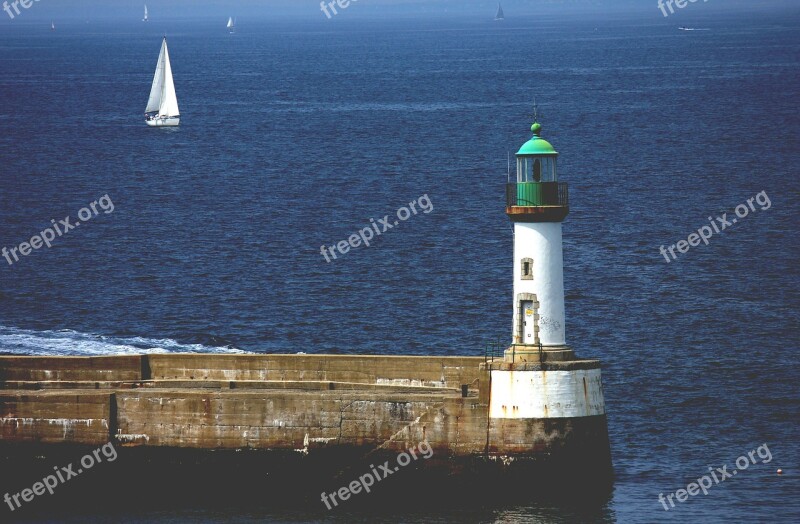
x=540 y=392
x=537 y=203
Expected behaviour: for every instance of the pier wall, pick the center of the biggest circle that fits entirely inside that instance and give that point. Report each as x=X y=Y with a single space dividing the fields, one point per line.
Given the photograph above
x=301 y=405
x=448 y=372
x=237 y=427
x=56 y=417
x=292 y=402
x=66 y=369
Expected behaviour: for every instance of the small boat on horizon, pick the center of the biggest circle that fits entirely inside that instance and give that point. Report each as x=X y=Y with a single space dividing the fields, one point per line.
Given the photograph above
x=682 y=28
x=499 y=15
x=231 y=25
x=145 y=14
x=52 y=26
x=162 y=106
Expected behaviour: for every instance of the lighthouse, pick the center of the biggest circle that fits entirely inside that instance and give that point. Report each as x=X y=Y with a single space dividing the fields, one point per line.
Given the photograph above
x=537 y=203
x=540 y=391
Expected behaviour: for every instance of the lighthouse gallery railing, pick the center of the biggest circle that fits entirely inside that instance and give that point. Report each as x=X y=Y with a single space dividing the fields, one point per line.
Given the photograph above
x=537 y=194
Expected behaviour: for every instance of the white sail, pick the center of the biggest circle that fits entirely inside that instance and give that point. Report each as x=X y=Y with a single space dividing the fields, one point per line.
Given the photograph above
x=230 y=22
x=162 y=106
x=157 y=89
x=145 y=13
x=162 y=92
x=499 y=15
x=169 y=100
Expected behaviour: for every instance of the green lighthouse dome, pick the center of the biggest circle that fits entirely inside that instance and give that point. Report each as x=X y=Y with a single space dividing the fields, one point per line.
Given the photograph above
x=536 y=145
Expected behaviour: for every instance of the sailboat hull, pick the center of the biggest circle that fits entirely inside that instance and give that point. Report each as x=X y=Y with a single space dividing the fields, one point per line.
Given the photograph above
x=169 y=121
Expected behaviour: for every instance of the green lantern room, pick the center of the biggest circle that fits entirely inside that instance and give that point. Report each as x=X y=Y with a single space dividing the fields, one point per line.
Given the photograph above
x=537 y=195
x=536 y=159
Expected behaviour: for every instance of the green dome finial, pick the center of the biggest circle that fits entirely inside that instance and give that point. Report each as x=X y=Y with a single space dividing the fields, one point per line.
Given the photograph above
x=536 y=145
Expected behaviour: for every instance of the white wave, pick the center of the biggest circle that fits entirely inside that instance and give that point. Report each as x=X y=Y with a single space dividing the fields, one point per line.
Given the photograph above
x=68 y=342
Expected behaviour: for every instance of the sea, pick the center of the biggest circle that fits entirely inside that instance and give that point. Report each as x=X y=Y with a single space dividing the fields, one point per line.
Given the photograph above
x=209 y=237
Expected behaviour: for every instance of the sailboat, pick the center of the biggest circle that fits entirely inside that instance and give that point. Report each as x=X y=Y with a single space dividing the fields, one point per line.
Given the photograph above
x=145 y=13
x=52 y=26
x=499 y=14
x=162 y=106
x=231 y=25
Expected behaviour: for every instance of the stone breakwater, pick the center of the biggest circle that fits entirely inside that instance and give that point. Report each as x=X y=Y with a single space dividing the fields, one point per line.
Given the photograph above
x=321 y=414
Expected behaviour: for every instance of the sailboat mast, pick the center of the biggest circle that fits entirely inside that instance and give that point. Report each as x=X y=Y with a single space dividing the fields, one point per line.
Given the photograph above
x=164 y=75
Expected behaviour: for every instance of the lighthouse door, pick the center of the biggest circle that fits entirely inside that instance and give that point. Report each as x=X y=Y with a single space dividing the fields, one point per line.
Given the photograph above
x=528 y=333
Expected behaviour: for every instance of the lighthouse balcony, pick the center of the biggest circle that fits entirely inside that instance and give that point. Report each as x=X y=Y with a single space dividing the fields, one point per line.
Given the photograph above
x=537 y=201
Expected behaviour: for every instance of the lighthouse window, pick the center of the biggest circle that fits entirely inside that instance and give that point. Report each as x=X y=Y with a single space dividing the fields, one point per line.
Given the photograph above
x=527 y=269
x=523 y=170
x=537 y=170
x=546 y=170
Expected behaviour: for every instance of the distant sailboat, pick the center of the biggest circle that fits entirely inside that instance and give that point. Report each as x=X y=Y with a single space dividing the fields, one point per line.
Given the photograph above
x=231 y=25
x=145 y=14
x=162 y=106
x=52 y=26
x=499 y=14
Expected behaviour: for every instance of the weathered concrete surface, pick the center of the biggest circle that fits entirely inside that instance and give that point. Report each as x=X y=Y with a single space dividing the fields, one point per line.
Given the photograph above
x=81 y=417
x=277 y=419
x=70 y=368
x=293 y=402
x=320 y=413
x=201 y=430
x=363 y=369
x=366 y=369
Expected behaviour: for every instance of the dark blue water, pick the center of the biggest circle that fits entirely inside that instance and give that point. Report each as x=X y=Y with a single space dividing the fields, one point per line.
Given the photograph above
x=295 y=136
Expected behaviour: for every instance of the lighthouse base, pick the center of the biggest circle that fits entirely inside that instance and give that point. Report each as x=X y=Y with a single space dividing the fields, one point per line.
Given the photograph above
x=519 y=353
x=546 y=407
x=553 y=449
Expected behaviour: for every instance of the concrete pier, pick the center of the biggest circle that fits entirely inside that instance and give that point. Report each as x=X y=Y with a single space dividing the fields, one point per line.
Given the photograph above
x=296 y=402
x=324 y=415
